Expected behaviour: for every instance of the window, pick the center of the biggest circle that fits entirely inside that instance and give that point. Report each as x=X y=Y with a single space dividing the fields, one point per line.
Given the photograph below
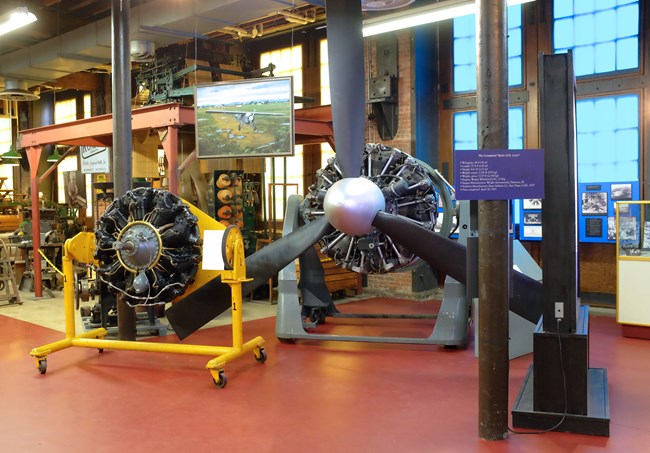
x=603 y=34
x=466 y=129
x=87 y=106
x=464 y=42
x=65 y=111
x=288 y=62
x=608 y=138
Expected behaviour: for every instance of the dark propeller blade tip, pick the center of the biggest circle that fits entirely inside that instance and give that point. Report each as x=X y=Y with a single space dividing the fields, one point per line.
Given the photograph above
x=209 y=301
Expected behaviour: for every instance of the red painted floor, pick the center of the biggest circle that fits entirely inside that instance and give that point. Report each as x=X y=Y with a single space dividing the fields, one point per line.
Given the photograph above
x=308 y=397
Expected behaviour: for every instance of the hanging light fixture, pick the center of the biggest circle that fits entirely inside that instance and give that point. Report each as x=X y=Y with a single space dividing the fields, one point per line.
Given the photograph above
x=15 y=90
x=55 y=156
x=11 y=156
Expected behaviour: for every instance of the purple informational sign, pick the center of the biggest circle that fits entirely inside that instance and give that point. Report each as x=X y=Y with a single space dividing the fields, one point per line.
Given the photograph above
x=499 y=174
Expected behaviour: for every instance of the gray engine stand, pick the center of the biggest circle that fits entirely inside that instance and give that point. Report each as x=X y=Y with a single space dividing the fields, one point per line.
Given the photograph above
x=452 y=322
x=451 y=328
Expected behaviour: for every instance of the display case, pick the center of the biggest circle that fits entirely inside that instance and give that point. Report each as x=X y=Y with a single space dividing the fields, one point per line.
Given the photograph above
x=632 y=229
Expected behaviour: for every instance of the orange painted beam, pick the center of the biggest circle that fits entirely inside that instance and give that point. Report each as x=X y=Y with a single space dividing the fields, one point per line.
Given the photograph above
x=98 y=130
x=314 y=125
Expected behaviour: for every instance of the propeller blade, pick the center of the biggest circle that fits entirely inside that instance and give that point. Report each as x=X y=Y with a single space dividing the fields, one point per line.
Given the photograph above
x=450 y=257
x=347 y=82
x=200 y=307
x=441 y=253
x=266 y=263
x=209 y=301
x=312 y=283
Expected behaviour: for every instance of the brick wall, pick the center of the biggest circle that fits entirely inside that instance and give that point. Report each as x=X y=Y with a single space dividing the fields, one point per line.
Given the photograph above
x=391 y=283
x=395 y=282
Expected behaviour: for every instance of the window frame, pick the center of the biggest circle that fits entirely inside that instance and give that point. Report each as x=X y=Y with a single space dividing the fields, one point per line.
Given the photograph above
x=640 y=129
x=609 y=74
x=522 y=56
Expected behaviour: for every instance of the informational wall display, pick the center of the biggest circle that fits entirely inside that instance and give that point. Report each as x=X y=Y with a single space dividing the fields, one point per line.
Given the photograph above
x=499 y=174
x=94 y=159
x=596 y=208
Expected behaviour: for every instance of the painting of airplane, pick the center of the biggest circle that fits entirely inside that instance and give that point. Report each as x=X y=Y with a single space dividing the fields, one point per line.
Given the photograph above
x=245 y=118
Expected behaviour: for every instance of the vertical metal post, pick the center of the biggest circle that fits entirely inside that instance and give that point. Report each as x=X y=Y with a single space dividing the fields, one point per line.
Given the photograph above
x=493 y=220
x=122 y=141
x=34 y=157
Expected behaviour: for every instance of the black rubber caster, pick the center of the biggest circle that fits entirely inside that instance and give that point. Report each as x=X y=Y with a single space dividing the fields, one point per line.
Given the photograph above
x=262 y=357
x=222 y=381
x=42 y=366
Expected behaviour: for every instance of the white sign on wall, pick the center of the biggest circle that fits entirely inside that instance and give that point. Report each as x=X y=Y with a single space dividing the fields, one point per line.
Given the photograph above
x=95 y=159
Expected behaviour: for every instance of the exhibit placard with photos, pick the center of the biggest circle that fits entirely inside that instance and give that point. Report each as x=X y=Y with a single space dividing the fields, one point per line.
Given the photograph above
x=597 y=208
x=245 y=118
x=596 y=211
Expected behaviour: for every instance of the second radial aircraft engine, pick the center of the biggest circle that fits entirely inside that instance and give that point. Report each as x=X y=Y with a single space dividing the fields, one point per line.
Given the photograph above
x=409 y=188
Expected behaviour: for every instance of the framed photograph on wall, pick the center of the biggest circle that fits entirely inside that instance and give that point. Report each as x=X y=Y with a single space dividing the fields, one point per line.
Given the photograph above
x=621 y=191
x=245 y=118
x=594 y=203
x=611 y=228
x=533 y=218
x=533 y=231
x=532 y=203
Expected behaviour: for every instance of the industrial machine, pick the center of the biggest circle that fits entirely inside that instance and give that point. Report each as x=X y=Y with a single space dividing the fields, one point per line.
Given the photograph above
x=147 y=250
x=233 y=199
x=162 y=78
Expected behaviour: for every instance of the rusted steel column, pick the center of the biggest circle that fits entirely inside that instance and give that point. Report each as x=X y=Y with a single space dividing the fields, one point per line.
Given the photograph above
x=493 y=220
x=122 y=140
x=34 y=157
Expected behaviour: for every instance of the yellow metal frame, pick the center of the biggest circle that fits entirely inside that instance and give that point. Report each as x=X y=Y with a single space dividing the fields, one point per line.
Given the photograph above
x=81 y=248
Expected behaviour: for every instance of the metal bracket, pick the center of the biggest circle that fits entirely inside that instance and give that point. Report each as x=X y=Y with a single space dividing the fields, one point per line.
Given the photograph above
x=382 y=89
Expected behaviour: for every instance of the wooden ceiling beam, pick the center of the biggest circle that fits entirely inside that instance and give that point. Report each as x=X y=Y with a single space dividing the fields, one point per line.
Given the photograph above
x=83 y=81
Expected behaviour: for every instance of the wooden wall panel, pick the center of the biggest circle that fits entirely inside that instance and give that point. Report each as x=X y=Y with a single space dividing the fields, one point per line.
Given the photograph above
x=597 y=268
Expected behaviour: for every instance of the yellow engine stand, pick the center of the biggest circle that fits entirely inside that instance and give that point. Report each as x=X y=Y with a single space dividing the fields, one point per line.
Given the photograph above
x=81 y=248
